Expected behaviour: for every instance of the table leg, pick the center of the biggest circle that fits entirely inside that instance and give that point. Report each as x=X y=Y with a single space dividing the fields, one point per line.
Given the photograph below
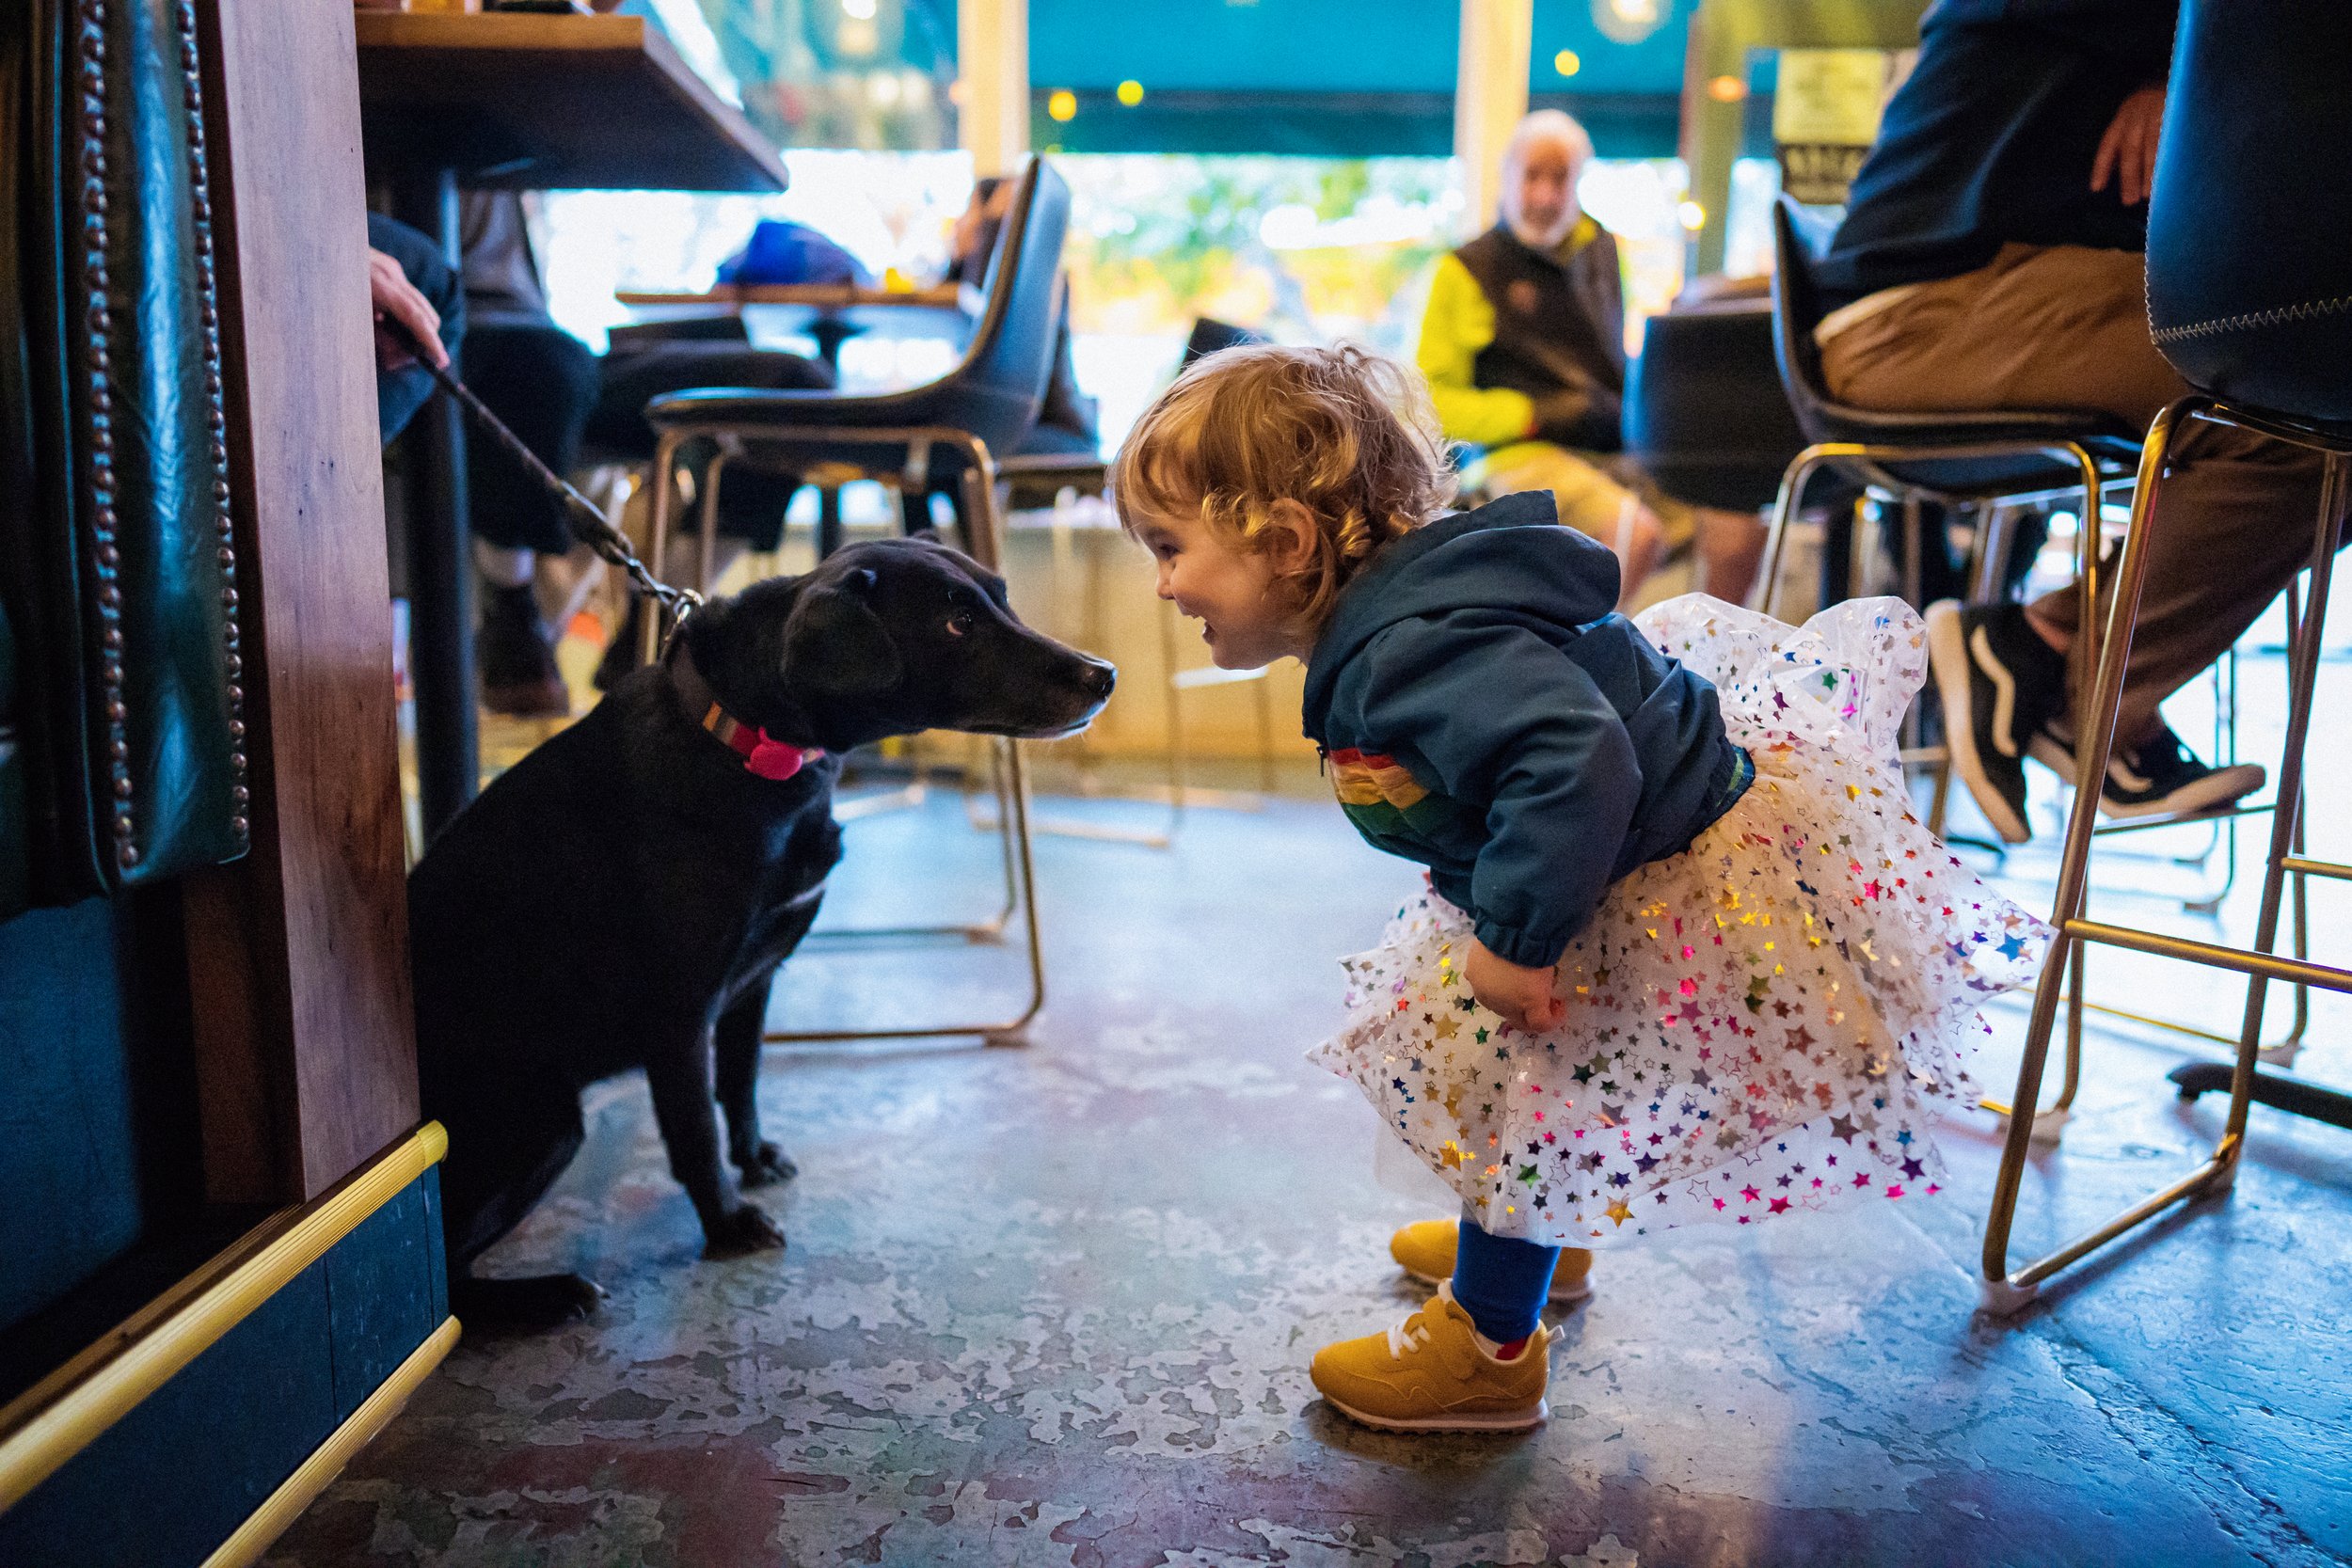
x=828 y=519
x=440 y=579
x=829 y=334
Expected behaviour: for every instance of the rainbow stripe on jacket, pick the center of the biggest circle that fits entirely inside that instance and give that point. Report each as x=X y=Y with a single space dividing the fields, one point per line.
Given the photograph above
x=1381 y=798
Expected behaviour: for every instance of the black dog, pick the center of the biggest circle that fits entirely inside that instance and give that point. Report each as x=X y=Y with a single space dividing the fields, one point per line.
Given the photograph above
x=622 y=896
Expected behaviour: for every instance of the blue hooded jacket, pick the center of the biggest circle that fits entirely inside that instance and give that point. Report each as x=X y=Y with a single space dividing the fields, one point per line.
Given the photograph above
x=1482 y=711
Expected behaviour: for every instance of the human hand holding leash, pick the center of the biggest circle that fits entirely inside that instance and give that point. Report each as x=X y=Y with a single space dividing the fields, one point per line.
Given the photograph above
x=590 y=525
x=406 y=322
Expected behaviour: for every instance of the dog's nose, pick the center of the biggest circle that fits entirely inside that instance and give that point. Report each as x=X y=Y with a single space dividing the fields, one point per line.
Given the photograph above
x=1099 y=679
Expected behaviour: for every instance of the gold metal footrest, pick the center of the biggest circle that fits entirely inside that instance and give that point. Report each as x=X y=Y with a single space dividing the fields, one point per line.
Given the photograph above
x=2300 y=972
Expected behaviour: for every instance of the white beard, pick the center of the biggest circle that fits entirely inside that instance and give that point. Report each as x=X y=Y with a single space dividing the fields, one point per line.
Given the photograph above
x=1545 y=240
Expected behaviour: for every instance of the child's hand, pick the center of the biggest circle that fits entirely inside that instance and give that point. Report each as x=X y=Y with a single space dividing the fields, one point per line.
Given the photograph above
x=1519 y=995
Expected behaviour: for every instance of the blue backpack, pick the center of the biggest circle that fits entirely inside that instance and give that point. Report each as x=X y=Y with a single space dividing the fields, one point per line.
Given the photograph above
x=781 y=251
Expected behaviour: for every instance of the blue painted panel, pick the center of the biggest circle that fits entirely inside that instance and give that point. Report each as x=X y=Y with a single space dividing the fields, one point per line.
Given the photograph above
x=380 y=1296
x=1325 y=79
x=436 y=1259
x=165 y=1485
x=69 y=1157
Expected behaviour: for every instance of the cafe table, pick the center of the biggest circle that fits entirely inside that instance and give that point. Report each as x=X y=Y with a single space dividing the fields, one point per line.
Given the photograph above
x=513 y=101
x=827 y=313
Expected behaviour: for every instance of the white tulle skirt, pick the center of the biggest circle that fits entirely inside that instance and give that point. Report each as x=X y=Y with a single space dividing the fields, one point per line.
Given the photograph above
x=1763 y=1025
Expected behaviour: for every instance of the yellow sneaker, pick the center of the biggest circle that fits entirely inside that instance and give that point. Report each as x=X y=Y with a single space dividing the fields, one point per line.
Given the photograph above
x=1428 y=1374
x=1424 y=1249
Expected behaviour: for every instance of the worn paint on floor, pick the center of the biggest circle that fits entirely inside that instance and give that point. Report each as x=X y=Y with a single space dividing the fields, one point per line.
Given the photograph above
x=1054 y=1306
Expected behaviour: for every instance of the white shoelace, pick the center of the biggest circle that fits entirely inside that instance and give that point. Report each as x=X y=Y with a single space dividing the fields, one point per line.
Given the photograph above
x=1409 y=1335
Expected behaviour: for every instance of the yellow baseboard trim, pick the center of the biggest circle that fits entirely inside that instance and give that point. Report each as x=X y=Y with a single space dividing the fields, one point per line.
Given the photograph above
x=266 y=1523
x=64 y=1412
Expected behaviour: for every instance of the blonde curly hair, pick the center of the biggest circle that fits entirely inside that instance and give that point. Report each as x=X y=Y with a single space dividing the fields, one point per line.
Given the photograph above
x=1347 y=435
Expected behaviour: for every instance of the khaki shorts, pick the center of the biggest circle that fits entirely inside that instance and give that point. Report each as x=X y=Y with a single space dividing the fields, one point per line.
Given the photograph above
x=1593 y=490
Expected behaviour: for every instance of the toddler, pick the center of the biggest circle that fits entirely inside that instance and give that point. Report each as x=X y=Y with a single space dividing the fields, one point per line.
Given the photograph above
x=1685 y=955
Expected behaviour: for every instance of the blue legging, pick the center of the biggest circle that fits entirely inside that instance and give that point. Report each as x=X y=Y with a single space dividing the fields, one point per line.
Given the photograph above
x=1501 y=1282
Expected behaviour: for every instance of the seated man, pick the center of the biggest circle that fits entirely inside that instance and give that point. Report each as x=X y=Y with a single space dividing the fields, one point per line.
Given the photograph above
x=1523 y=344
x=1991 y=257
x=554 y=392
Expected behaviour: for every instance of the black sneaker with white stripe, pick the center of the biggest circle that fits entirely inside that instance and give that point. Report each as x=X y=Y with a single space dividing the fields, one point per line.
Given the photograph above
x=2000 y=684
x=2160 y=777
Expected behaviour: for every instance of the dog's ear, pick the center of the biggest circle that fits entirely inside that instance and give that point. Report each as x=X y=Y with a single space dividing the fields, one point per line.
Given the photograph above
x=929 y=534
x=835 y=642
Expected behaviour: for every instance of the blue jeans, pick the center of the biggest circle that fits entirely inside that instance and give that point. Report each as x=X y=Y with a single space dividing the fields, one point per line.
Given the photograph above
x=399 y=393
x=1501 y=1282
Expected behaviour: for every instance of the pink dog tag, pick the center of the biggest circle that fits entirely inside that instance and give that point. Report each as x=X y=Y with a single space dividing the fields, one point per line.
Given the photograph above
x=774 y=759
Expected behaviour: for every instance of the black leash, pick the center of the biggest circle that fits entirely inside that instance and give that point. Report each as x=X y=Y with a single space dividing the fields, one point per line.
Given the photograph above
x=590 y=525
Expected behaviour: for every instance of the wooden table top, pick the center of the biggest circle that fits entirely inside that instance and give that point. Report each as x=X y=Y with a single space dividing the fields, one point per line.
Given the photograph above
x=530 y=101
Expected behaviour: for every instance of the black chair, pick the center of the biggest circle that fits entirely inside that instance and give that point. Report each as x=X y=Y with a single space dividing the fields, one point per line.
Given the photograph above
x=1705 y=415
x=1984 y=462
x=2250 y=296
x=925 y=436
x=950 y=428
x=1035 y=479
x=1976 y=461
x=1211 y=336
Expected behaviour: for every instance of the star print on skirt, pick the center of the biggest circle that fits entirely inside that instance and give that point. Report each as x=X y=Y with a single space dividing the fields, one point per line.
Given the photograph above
x=1764 y=1025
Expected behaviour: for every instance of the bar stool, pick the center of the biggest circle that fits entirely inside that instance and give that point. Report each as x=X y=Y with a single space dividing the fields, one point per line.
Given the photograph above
x=981 y=406
x=1968 y=459
x=2249 y=297
x=1988 y=461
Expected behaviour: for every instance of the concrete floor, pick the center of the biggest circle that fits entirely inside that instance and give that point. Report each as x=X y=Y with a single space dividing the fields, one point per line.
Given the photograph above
x=1055 y=1305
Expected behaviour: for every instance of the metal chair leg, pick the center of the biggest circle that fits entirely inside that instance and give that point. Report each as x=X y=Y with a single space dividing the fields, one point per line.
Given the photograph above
x=2004 y=1291
x=2048 y=1123
x=2045 y=1126
x=706 y=564
x=1792 y=483
x=984 y=529
x=650 y=631
x=2287 y=818
x=1065 y=566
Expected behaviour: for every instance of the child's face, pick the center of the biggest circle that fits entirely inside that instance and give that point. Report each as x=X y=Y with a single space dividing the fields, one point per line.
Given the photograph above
x=1230 y=590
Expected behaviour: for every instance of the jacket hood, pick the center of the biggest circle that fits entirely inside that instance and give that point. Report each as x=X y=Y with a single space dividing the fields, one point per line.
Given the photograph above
x=1510 y=555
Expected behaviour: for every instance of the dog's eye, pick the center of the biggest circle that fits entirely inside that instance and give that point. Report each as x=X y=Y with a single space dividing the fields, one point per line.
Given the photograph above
x=960 y=623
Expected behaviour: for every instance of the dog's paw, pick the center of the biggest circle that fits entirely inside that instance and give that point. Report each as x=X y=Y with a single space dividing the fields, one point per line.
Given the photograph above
x=543 y=1301
x=767 y=1165
x=741 y=1230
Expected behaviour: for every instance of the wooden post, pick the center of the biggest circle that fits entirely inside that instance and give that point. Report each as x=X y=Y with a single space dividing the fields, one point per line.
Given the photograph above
x=1489 y=101
x=993 y=54
x=300 y=953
